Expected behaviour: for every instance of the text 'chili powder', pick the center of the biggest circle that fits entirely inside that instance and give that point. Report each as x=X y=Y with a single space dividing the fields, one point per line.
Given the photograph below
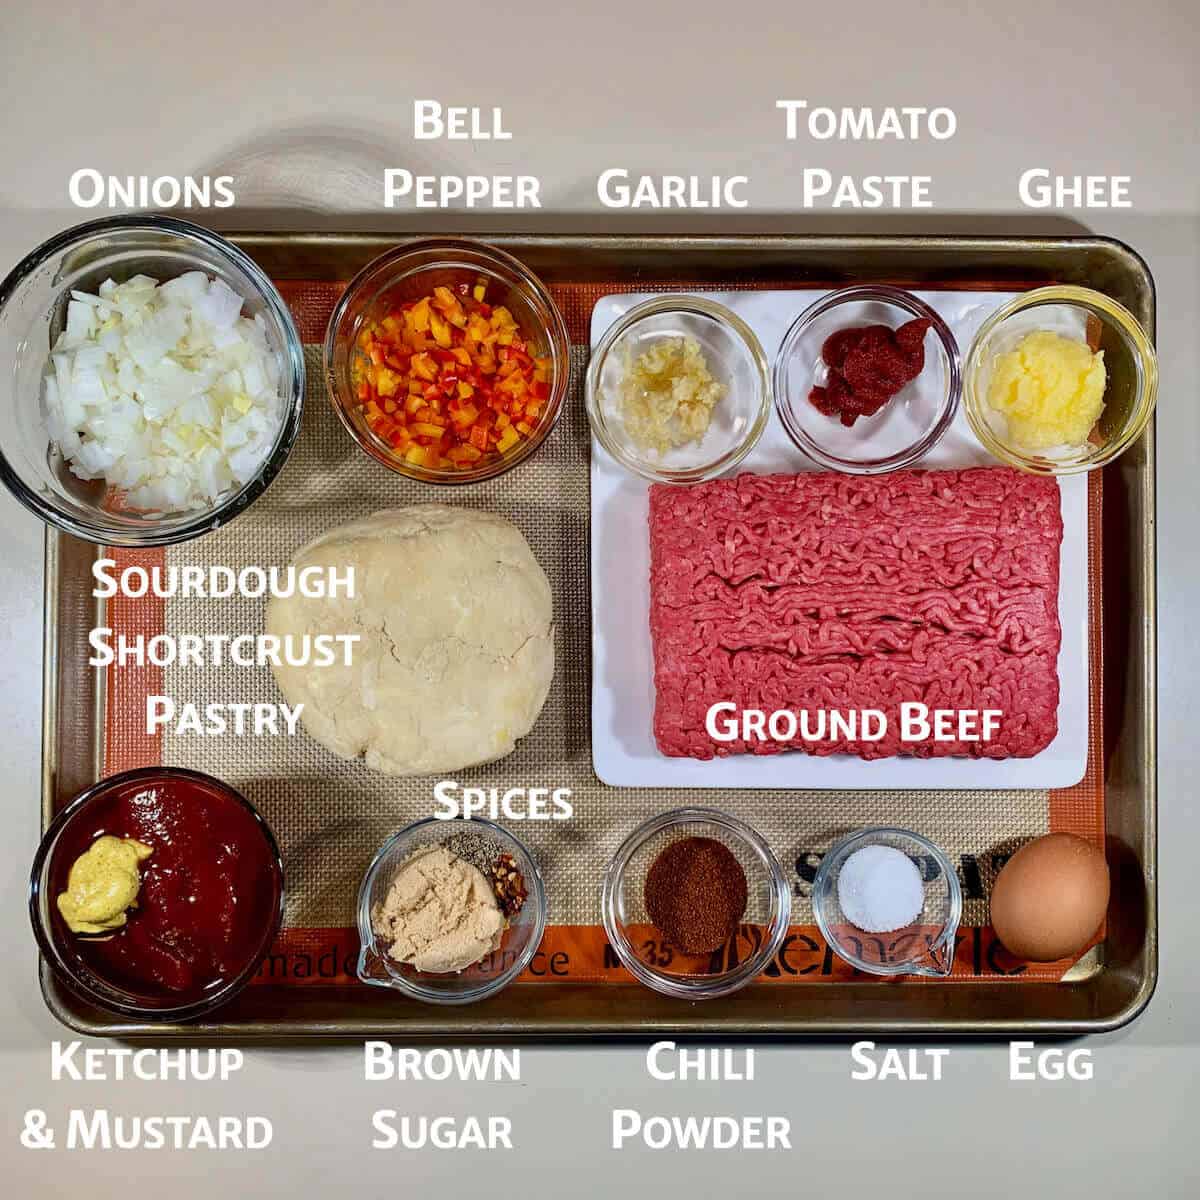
x=696 y=894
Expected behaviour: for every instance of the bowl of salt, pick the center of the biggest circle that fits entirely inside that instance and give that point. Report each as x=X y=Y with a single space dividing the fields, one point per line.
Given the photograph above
x=888 y=902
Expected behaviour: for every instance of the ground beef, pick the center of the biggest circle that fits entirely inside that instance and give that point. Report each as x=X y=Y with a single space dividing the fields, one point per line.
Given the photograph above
x=825 y=591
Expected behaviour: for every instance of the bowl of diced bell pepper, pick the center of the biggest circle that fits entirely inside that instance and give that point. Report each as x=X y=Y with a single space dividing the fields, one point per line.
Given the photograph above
x=447 y=361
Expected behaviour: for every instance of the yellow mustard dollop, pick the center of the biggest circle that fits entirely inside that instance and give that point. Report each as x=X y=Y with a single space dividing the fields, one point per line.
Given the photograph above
x=102 y=884
x=1050 y=389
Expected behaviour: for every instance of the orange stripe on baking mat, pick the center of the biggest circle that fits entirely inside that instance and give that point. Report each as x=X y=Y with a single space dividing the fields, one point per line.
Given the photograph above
x=312 y=301
x=126 y=743
x=1080 y=809
x=582 y=954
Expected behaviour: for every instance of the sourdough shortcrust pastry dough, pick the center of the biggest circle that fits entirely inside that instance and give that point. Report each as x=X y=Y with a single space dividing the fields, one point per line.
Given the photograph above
x=456 y=653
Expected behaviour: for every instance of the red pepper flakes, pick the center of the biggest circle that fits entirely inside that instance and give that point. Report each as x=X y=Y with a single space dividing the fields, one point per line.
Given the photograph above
x=509 y=885
x=448 y=381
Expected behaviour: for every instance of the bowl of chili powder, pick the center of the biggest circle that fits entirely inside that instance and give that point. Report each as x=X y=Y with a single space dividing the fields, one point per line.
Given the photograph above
x=695 y=903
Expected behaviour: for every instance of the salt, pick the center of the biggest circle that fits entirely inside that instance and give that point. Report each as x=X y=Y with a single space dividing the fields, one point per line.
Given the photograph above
x=879 y=889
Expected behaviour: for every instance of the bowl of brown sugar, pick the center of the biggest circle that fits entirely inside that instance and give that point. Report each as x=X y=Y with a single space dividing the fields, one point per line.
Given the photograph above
x=695 y=903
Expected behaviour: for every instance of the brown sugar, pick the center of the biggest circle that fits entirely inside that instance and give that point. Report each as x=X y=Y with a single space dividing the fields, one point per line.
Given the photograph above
x=696 y=894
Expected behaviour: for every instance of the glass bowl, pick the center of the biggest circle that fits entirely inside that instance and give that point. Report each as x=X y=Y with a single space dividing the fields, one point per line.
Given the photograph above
x=32 y=313
x=484 y=978
x=92 y=813
x=734 y=357
x=926 y=946
x=410 y=272
x=1084 y=315
x=909 y=425
x=647 y=955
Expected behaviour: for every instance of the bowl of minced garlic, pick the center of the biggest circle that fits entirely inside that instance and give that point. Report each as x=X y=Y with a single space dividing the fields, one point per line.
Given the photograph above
x=678 y=389
x=1060 y=380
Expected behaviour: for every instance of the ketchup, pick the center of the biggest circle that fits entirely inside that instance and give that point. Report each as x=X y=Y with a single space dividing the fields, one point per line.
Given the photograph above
x=210 y=891
x=868 y=365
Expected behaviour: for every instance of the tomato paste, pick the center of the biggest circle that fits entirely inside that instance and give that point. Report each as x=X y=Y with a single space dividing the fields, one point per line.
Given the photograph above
x=868 y=365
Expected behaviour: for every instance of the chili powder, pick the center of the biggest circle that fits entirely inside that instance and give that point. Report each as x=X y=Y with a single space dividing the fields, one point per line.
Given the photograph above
x=695 y=893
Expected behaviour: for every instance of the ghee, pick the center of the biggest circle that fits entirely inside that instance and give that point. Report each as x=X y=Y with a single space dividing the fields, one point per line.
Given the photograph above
x=102 y=884
x=1049 y=389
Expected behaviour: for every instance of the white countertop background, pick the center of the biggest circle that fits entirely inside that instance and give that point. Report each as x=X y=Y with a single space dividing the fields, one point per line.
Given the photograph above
x=305 y=105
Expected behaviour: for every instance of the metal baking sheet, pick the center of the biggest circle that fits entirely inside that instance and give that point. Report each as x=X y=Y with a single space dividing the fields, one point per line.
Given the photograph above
x=1104 y=991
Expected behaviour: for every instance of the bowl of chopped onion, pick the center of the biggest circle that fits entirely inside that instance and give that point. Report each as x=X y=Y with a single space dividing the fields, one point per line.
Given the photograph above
x=155 y=381
x=447 y=361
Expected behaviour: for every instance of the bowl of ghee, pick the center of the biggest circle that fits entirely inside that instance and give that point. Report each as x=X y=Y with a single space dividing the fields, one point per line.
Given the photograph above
x=1060 y=380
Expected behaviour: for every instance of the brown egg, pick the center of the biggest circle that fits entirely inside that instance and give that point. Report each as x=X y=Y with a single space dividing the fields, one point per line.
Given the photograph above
x=1050 y=897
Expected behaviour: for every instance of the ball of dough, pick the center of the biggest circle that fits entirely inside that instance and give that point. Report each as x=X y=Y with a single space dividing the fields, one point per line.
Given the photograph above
x=456 y=652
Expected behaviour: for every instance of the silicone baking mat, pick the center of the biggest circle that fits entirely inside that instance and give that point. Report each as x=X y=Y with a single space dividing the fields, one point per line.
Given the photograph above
x=330 y=816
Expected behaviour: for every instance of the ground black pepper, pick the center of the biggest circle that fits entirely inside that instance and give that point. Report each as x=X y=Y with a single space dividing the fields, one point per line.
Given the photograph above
x=695 y=894
x=474 y=848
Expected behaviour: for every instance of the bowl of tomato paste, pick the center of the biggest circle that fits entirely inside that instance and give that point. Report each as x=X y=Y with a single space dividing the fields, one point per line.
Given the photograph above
x=867 y=380
x=157 y=893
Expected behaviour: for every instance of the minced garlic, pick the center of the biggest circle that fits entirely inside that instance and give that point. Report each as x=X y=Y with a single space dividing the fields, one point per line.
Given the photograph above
x=1049 y=389
x=668 y=395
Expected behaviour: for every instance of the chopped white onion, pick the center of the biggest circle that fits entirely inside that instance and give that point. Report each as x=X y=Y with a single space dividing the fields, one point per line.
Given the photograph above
x=165 y=391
